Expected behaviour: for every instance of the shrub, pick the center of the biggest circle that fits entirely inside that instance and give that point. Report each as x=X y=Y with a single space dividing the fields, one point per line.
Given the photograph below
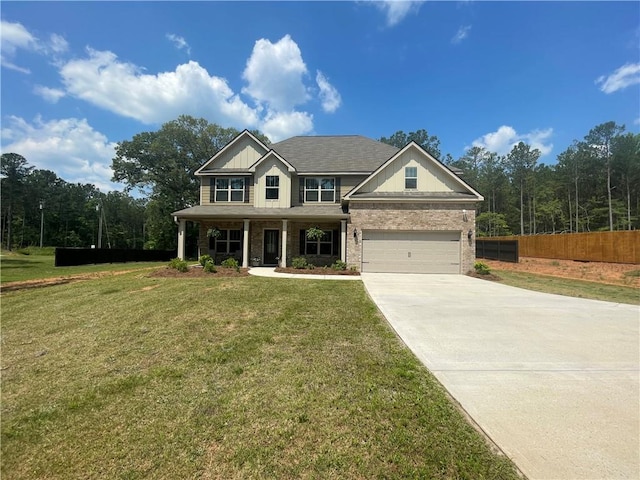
x=209 y=266
x=179 y=265
x=204 y=259
x=230 y=263
x=299 y=262
x=339 y=265
x=482 y=268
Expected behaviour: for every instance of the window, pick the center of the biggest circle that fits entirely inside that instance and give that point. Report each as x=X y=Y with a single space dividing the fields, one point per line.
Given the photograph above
x=322 y=246
x=229 y=189
x=273 y=187
x=410 y=177
x=319 y=189
x=230 y=241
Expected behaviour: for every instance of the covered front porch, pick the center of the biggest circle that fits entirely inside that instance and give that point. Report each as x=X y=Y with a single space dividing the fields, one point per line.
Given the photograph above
x=262 y=240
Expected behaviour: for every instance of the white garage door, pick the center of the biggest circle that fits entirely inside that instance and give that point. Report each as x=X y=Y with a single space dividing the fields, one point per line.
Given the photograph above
x=410 y=252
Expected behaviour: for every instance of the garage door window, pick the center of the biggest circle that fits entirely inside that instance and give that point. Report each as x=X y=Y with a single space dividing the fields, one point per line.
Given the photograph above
x=410 y=178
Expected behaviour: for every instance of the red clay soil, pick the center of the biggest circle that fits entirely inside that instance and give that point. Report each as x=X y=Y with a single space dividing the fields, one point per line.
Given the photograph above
x=600 y=272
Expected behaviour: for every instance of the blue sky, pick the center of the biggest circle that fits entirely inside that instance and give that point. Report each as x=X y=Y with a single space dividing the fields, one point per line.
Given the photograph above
x=78 y=77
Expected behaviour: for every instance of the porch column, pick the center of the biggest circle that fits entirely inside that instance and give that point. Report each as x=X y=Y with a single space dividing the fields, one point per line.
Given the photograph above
x=283 y=259
x=181 y=236
x=245 y=244
x=343 y=240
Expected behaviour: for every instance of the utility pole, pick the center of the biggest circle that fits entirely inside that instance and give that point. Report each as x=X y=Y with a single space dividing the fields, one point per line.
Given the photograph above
x=41 y=222
x=99 y=226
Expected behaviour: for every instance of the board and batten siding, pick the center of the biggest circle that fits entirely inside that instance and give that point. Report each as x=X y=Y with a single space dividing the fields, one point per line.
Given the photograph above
x=430 y=178
x=207 y=186
x=240 y=156
x=260 y=186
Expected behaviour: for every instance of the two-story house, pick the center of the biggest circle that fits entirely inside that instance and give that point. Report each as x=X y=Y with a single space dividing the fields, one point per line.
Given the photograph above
x=382 y=209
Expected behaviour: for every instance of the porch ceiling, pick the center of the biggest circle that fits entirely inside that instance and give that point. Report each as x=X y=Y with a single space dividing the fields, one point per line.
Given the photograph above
x=327 y=212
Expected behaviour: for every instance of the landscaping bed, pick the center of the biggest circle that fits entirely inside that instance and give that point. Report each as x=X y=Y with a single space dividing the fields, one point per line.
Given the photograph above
x=316 y=271
x=197 y=271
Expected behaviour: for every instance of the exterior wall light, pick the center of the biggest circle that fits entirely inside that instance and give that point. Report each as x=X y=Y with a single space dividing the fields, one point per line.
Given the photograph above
x=470 y=234
x=355 y=233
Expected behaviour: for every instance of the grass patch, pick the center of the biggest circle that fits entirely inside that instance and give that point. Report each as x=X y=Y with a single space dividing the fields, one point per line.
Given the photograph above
x=570 y=287
x=632 y=273
x=16 y=267
x=134 y=377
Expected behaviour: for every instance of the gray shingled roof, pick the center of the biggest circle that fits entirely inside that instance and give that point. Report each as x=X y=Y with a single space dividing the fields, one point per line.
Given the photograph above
x=343 y=153
x=331 y=211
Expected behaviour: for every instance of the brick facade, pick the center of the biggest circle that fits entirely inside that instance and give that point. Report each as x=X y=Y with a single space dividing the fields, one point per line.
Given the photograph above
x=411 y=216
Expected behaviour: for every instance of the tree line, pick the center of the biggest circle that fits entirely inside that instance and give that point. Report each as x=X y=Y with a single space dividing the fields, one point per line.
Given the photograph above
x=595 y=185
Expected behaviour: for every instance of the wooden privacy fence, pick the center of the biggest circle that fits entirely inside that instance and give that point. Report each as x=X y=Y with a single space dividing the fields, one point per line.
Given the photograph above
x=615 y=247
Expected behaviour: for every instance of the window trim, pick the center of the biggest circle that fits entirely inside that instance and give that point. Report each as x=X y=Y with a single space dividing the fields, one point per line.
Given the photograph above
x=408 y=178
x=319 y=190
x=229 y=191
x=318 y=244
x=227 y=241
x=272 y=188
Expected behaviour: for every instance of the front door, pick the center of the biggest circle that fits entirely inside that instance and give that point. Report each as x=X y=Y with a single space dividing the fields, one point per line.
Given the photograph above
x=271 y=247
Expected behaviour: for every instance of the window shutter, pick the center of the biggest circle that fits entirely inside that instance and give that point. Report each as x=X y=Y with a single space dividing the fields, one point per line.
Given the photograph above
x=303 y=244
x=246 y=189
x=337 y=185
x=212 y=189
x=301 y=189
x=336 y=242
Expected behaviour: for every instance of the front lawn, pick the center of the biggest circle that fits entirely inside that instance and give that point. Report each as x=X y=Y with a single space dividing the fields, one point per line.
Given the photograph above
x=18 y=267
x=141 y=377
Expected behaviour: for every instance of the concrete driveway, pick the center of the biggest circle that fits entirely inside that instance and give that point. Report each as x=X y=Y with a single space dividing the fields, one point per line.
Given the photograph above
x=552 y=380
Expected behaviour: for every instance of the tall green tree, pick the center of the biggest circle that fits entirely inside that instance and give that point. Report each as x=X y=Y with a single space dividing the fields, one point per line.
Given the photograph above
x=14 y=170
x=430 y=143
x=625 y=164
x=163 y=163
x=599 y=142
x=521 y=162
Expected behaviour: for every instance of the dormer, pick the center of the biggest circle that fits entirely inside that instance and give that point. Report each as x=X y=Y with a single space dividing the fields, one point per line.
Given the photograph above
x=272 y=181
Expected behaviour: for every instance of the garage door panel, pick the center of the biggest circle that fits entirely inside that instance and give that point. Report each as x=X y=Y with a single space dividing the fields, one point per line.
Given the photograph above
x=411 y=252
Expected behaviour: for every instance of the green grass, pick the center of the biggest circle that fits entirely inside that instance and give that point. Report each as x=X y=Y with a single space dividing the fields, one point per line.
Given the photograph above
x=15 y=266
x=136 y=377
x=570 y=287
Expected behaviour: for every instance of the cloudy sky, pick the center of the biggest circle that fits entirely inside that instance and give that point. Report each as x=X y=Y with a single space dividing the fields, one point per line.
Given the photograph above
x=79 y=77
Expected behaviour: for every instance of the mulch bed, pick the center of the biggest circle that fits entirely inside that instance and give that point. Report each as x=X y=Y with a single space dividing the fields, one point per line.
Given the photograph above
x=198 y=272
x=316 y=271
x=488 y=276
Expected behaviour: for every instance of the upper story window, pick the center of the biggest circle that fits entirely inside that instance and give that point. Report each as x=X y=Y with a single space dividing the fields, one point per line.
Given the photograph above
x=273 y=187
x=229 y=189
x=319 y=189
x=411 y=177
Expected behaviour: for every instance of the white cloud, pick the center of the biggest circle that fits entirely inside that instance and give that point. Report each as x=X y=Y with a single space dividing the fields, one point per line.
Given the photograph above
x=179 y=42
x=461 y=34
x=329 y=96
x=636 y=121
x=122 y=88
x=51 y=95
x=70 y=147
x=14 y=37
x=623 y=77
x=397 y=10
x=281 y=125
x=505 y=138
x=57 y=44
x=274 y=74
